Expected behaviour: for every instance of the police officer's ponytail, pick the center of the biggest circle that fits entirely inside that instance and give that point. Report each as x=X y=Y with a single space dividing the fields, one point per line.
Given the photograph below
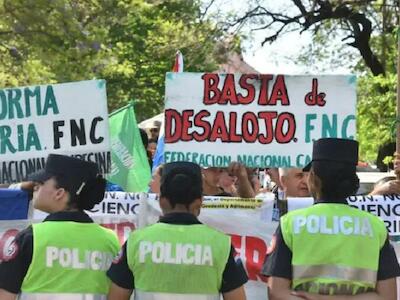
x=337 y=180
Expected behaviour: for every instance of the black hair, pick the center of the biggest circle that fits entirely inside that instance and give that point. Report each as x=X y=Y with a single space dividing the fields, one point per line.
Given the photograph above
x=145 y=138
x=159 y=169
x=88 y=195
x=152 y=141
x=337 y=180
x=180 y=188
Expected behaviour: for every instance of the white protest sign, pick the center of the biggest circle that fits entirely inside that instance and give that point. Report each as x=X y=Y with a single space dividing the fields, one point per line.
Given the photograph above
x=297 y=203
x=113 y=204
x=117 y=203
x=386 y=207
x=69 y=118
x=260 y=120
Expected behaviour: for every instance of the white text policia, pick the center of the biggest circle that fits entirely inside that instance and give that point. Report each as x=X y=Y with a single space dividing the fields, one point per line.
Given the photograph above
x=346 y=225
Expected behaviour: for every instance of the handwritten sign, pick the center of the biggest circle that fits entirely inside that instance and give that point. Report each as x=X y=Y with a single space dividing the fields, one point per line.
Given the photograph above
x=260 y=120
x=69 y=118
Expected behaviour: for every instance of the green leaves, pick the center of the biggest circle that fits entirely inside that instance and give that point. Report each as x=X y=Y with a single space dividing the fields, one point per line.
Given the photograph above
x=130 y=44
x=376 y=113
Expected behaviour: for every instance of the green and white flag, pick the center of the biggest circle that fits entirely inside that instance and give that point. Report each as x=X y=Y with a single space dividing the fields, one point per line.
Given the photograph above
x=130 y=167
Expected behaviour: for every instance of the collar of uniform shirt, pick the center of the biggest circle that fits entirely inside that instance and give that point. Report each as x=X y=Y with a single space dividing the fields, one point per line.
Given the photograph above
x=179 y=218
x=74 y=216
x=337 y=201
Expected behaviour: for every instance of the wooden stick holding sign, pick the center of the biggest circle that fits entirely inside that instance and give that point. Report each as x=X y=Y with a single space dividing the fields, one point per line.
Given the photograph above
x=398 y=97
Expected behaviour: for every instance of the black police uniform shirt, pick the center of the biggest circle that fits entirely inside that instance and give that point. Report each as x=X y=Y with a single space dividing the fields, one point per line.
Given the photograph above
x=15 y=265
x=233 y=276
x=278 y=263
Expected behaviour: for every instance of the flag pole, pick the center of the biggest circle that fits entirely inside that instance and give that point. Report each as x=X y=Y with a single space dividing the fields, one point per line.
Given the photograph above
x=398 y=96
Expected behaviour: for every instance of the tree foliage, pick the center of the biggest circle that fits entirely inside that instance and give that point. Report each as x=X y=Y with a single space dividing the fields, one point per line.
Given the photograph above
x=131 y=44
x=376 y=113
x=356 y=20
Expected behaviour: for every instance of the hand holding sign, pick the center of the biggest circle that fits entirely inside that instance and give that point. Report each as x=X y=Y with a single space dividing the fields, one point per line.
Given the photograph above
x=245 y=188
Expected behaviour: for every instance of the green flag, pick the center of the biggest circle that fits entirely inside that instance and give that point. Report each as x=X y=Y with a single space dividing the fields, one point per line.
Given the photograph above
x=130 y=168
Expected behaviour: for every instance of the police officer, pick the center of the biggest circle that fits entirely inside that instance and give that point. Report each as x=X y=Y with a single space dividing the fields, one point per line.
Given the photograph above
x=67 y=255
x=178 y=258
x=331 y=250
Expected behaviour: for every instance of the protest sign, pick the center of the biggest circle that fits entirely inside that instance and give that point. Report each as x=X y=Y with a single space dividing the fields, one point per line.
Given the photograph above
x=69 y=118
x=117 y=203
x=386 y=207
x=214 y=119
x=113 y=204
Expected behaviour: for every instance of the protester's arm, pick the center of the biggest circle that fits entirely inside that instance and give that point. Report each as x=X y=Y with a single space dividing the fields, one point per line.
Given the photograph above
x=385 y=290
x=117 y=293
x=388 y=188
x=244 y=188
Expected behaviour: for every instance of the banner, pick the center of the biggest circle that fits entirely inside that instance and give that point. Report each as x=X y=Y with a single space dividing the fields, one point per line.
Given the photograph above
x=250 y=232
x=68 y=118
x=259 y=120
x=386 y=207
x=130 y=167
x=114 y=204
x=14 y=204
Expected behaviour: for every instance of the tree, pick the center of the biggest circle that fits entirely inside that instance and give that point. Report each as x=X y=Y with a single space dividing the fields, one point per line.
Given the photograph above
x=146 y=41
x=130 y=43
x=356 y=18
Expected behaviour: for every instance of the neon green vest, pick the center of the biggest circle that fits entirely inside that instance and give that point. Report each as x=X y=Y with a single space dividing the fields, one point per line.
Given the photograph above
x=186 y=260
x=335 y=248
x=70 y=257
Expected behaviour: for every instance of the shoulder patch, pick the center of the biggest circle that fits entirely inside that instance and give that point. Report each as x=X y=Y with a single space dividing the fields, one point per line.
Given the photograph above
x=11 y=251
x=272 y=245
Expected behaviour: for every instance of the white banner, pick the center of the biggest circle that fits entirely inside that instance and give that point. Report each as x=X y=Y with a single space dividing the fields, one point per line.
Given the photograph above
x=261 y=120
x=69 y=118
x=249 y=228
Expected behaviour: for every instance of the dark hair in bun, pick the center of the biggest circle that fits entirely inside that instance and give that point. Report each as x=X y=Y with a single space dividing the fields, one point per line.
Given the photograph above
x=181 y=188
x=90 y=193
x=338 y=180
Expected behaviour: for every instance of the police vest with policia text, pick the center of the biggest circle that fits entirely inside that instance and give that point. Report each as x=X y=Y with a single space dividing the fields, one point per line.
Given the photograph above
x=335 y=248
x=179 y=261
x=70 y=257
